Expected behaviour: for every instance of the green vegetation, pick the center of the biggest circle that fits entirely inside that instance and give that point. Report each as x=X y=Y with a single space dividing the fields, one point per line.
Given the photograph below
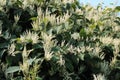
x=58 y=40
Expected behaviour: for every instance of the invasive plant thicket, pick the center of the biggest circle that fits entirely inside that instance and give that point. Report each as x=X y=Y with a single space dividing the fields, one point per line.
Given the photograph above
x=58 y=40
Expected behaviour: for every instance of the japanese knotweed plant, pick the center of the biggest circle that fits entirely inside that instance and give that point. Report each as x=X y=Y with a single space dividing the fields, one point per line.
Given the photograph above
x=30 y=73
x=48 y=44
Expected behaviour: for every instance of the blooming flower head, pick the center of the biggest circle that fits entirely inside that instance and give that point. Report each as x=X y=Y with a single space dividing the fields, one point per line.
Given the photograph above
x=48 y=43
x=48 y=56
x=29 y=37
x=2 y=2
x=61 y=61
x=11 y=49
x=116 y=42
x=99 y=77
x=106 y=40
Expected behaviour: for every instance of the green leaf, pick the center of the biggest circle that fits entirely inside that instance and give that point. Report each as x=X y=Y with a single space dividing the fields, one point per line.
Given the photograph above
x=19 y=47
x=37 y=46
x=117 y=9
x=38 y=78
x=59 y=29
x=56 y=49
x=12 y=69
x=93 y=26
x=118 y=68
x=69 y=65
x=33 y=18
x=82 y=32
x=81 y=56
x=30 y=61
x=2 y=52
x=4 y=45
x=74 y=60
x=55 y=58
x=19 y=2
x=67 y=26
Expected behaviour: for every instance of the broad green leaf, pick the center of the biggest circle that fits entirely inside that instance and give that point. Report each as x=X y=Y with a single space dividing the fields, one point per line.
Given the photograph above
x=81 y=56
x=59 y=29
x=19 y=47
x=117 y=9
x=2 y=52
x=37 y=46
x=82 y=32
x=69 y=65
x=118 y=68
x=38 y=78
x=93 y=26
x=12 y=69
x=4 y=45
x=30 y=61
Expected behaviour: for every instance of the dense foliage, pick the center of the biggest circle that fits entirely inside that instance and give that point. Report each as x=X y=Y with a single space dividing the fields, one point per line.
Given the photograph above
x=58 y=39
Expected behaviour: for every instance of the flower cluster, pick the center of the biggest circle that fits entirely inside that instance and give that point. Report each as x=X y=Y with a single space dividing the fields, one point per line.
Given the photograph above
x=29 y=36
